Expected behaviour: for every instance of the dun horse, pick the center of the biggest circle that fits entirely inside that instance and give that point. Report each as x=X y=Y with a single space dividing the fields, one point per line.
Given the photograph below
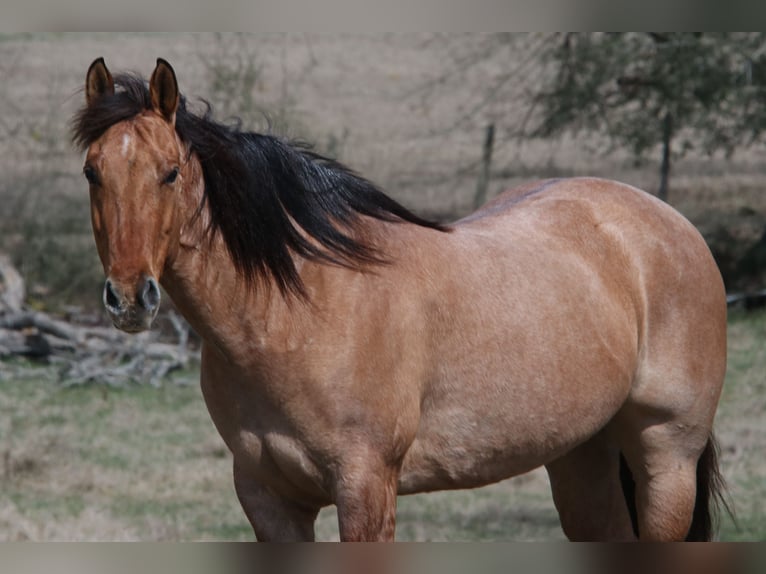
x=354 y=351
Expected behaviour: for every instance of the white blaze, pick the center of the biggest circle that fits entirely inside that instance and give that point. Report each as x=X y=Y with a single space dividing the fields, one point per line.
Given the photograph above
x=126 y=141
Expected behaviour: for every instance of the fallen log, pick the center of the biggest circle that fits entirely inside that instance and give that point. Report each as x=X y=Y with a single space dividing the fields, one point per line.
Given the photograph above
x=43 y=323
x=87 y=353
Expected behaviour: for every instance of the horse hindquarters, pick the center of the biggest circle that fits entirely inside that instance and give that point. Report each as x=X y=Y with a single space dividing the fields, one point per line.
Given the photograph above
x=665 y=426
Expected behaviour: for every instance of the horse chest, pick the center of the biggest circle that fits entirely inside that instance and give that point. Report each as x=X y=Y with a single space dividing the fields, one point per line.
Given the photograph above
x=280 y=461
x=259 y=437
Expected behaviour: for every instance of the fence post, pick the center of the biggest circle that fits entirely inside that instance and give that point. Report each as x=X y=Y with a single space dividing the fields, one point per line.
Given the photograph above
x=486 y=160
x=667 y=134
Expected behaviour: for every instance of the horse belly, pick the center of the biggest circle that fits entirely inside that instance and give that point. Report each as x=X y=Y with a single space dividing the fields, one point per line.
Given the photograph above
x=470 y=449
x=515 y=410
x=461 y=465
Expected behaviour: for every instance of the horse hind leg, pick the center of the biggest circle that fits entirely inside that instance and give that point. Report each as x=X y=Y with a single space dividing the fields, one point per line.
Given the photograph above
x=675 y=474
x=588 y=492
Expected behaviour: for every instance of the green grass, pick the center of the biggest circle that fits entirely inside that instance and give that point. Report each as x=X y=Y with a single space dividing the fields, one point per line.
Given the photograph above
x=145 y=463
x=741 y=427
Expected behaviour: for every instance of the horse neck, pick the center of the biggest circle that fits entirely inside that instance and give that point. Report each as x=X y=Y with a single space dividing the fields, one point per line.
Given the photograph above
x=208 y=290
x=229 y=313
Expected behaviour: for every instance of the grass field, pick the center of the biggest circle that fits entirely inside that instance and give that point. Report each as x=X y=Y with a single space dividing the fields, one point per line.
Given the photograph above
x=144 y=463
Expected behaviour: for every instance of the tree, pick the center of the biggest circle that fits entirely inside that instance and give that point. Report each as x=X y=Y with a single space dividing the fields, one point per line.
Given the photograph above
x=678 y=91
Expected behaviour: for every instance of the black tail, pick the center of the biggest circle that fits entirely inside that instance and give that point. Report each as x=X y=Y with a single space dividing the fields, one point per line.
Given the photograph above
x=629 y=491
x=711 y=489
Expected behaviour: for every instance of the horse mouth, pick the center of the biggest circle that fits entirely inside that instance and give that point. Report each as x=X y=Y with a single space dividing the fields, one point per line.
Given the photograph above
x=134 y=320
x=132 y=328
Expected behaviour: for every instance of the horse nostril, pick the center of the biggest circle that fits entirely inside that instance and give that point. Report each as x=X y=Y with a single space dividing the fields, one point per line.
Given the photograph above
x=149 y=295
x=111 y=299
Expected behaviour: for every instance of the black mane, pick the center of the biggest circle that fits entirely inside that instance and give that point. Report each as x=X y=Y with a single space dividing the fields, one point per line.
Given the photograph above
x=259 y=187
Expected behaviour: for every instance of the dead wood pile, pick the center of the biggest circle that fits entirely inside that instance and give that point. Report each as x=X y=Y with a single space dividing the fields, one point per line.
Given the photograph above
x=84 y=351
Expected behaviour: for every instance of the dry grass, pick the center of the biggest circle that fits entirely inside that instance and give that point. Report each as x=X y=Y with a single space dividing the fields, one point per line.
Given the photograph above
x=96 y=463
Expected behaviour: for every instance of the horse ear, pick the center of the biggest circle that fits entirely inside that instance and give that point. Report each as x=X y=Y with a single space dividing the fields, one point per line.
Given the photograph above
x=163 y=89
x=98 y=81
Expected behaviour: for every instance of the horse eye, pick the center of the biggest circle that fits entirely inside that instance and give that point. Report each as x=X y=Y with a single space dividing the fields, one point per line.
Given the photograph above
x=91 y=175
x=171 y=177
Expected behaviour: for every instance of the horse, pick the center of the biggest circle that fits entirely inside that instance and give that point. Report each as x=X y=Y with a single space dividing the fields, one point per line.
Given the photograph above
x=354 y=351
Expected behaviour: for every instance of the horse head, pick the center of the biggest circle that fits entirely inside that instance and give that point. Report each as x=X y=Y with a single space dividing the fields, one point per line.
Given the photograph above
x=136 y=172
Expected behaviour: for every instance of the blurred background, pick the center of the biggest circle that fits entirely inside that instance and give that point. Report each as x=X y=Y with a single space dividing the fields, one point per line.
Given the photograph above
x=105 y=436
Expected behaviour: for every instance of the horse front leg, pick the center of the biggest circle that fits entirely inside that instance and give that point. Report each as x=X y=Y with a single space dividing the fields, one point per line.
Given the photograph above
x=366 y=502
x=273 y=518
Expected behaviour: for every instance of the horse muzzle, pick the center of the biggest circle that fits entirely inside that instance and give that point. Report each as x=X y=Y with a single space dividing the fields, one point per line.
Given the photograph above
x=132 y=310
